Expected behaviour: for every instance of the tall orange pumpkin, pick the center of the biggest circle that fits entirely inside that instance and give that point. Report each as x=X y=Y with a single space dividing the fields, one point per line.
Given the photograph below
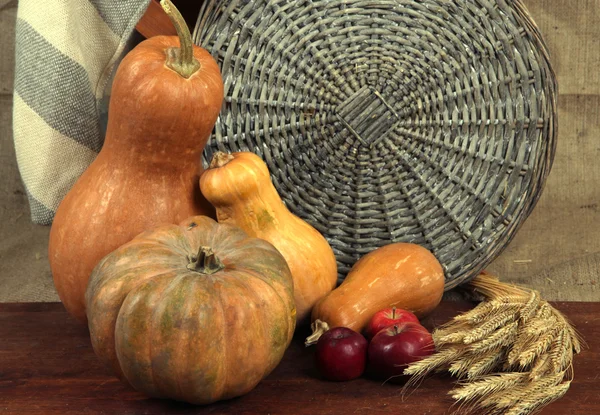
x=164 y=103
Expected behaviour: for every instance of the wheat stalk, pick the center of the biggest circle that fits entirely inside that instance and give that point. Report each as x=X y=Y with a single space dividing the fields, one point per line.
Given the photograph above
x=541 y=367
x=504 y=336
x=486 y=364
x=525 y=390
x=530 y=308
x=536 y=348
x=472 y=365
x=514 y=351
x=488 y=385
x=435 y=361
x=539 y=399
x=489 y=326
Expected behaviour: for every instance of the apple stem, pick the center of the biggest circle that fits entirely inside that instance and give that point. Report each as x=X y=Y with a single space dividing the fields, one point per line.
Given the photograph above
x=393 y=312
x=318 y=329
x=395 y=329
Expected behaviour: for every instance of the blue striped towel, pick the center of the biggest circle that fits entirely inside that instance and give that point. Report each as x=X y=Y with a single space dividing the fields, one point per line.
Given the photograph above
x=66 y=52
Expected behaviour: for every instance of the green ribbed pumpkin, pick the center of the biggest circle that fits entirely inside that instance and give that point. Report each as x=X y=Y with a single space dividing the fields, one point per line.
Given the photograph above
x=196 y=312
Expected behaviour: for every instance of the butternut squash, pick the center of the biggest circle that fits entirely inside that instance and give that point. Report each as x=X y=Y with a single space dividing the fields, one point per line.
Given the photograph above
x=239 y=187
x=401 y=275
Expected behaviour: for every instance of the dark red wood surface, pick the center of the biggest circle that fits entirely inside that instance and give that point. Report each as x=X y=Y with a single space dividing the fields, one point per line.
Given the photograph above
x=47 y=366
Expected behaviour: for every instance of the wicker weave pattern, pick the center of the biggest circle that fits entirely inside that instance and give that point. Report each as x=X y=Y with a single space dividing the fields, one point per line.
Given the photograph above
x=426 y=121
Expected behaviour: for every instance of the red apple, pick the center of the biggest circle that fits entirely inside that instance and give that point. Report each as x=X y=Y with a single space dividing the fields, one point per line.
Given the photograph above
x=341 y=354
x=394 y=347
x=388 y=317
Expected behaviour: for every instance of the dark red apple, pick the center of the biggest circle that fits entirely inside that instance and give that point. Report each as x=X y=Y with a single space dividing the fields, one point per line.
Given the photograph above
x=341 y=354
x=394 y=347
x=388 y=317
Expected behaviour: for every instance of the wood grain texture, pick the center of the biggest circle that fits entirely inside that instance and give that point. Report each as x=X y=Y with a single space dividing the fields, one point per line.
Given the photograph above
x=47 y=367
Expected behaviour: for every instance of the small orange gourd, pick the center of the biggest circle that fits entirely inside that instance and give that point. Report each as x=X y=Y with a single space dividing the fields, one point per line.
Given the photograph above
x=239 y=186
x=165 y=99
x=401 y=275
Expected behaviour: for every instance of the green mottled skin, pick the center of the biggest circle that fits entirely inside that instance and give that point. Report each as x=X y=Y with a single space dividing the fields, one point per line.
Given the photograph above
x=264 y=218
x=177 y=333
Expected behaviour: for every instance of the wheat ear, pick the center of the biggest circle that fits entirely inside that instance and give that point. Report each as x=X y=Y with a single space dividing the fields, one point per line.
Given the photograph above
x=514 y=351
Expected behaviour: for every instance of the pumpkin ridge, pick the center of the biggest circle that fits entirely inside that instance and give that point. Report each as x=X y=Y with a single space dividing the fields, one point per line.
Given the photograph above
x=175 y=283
x=165 y=307
x=152 y=329
x=257 y=275
x=279 y=296
x=136 y=267
x=223 y=367
x=266 y=328
x=199 y=286
x=257 y=317
x=266 y=248
x=187 y=306
x=111 y=358
x=121 y=319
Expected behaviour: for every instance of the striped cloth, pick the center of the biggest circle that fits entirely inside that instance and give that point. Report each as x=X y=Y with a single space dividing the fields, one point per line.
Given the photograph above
x=66 y=51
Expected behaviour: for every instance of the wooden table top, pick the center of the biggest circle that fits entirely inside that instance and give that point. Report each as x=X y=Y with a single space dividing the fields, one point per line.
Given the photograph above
x=47 y=366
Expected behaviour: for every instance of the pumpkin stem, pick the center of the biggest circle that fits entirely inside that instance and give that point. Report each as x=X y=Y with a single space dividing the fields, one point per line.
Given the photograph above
x=206 y=262
x=220 y=159
x=180 y=59
x=319 y=328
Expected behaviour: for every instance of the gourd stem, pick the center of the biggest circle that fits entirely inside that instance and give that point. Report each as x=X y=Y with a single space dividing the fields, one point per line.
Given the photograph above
x=319 y=328
x=181 y=59
x=220 y=159
x=206 y=262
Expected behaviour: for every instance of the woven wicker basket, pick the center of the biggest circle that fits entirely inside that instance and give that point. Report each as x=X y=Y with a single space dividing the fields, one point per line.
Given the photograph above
x=424 y=121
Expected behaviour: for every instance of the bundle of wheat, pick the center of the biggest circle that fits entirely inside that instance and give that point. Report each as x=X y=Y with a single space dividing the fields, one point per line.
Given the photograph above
x=513 y=352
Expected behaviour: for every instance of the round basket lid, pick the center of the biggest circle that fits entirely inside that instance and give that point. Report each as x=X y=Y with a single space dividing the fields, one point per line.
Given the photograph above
x=423 y=121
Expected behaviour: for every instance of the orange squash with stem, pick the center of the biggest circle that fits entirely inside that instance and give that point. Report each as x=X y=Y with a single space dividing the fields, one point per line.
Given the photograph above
x=402 y=275
x=165 y=99
x=239 y=187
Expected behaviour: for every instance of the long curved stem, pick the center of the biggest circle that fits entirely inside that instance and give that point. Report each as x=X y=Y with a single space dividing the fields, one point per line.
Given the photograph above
x=181 y=59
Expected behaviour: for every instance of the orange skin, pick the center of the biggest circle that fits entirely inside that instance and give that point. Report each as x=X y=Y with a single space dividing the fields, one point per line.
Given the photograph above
x=185 y=334
x=400 y=275
x=239 y=187
x=147 y=172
